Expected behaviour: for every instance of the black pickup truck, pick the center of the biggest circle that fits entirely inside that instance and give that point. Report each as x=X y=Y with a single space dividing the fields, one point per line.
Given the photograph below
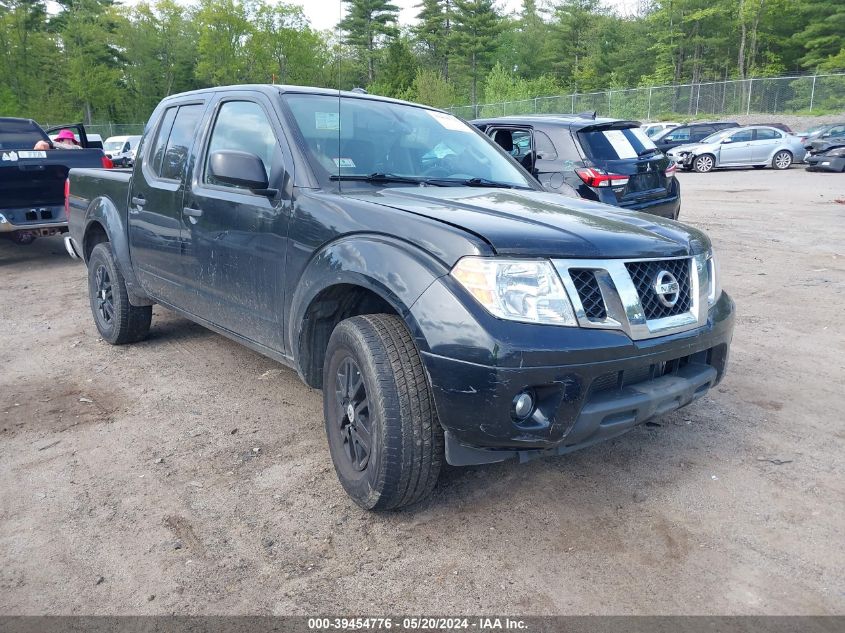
x=32 y=182
x=400 y=261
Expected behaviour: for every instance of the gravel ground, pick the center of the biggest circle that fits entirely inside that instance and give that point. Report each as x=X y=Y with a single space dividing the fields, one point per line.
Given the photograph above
x=190 y=475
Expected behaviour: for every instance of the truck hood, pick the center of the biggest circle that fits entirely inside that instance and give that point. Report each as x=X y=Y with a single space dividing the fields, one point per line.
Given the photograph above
x=534 y=223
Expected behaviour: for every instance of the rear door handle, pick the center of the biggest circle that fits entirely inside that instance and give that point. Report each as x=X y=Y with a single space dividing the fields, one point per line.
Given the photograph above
x=139 y=201
x=192 y=213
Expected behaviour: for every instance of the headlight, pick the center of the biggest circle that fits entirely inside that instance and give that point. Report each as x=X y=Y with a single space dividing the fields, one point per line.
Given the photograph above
x=713 y=274
x=517 y=290
x=839 y=151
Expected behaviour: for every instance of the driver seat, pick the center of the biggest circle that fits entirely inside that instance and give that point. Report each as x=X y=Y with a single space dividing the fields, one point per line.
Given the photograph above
x=504 y=139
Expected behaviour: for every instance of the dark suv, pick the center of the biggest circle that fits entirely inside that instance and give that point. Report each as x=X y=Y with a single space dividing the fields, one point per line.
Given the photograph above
x=606 y=160
x=690 y=133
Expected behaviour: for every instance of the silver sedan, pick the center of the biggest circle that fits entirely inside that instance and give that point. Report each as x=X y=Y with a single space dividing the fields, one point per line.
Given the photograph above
x=755 y=146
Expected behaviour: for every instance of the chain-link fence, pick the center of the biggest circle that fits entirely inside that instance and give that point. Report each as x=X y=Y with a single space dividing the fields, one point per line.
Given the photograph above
x=811 y=94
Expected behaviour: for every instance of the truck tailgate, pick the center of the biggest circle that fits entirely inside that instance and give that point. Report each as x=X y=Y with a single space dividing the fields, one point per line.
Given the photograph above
x=30 y=178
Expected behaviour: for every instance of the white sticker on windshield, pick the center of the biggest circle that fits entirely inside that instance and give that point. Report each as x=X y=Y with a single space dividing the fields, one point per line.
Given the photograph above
x=11 y=156
x=643 y=138
x=448 y=121
x=344 y=162
x=32 y=154
x=327 y=120
x=622 y=145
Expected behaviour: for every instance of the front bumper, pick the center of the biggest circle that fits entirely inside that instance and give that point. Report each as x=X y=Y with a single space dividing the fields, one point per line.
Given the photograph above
x=590 y=394
x=826 y=163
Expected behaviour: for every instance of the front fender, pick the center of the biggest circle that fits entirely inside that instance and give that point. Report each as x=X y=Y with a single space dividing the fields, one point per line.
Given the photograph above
x=103 y=210
x=397 y=271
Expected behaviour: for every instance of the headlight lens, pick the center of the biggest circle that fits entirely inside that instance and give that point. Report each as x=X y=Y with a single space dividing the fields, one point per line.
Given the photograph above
x=517 y=290
x=839 y=151
x=713 y=274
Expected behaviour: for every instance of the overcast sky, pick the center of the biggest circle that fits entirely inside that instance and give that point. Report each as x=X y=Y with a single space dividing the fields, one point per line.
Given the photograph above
x=325 y=14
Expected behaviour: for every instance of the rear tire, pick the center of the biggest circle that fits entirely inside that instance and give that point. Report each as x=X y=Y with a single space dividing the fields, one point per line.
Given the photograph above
x=117 y=320
x=704 y=163
x=782 y=160
x=384 y=436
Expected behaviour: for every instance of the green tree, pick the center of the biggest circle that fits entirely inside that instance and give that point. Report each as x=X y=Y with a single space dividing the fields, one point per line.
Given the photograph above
x=823 y=36
x=432 y=88
x=92 y=74
x=224 y=26
x=397 y=70
x=475 y=27
x=366 y=25
x=433 y=31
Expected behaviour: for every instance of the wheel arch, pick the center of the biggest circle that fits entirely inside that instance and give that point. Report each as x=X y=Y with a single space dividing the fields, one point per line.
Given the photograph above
x=362 y=274
x=103 y=223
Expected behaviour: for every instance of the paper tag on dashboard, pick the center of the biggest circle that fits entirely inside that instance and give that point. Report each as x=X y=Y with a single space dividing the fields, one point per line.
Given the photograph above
x=344 y=162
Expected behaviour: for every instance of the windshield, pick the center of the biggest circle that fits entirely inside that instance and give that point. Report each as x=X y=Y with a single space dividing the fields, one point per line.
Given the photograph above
x=113 y=146
x=348 y=138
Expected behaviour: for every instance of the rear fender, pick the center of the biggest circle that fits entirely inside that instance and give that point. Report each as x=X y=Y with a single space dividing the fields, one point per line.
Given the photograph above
x=103 y=211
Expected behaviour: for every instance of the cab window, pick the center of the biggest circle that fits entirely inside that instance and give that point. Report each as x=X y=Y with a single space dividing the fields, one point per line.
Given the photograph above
x=242 y=126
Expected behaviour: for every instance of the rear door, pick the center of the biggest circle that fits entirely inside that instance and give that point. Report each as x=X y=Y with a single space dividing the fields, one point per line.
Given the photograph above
x=623 y=149
x=155 y=201
x=236 y=240
x=765 y=142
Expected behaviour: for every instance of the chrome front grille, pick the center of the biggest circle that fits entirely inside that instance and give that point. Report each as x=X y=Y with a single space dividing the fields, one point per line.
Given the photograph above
x=644 y=275
x=589 y=293
x=643 y=297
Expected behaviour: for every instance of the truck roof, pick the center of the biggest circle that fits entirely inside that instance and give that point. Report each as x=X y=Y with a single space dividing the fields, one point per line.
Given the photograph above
x=273 y=89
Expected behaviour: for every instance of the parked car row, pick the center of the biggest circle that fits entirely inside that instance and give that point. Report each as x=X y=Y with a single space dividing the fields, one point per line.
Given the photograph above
x=756 y=146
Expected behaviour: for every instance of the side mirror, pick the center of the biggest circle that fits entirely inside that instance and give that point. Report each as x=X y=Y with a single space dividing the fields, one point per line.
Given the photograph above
x=725 y=141
x=240 y=169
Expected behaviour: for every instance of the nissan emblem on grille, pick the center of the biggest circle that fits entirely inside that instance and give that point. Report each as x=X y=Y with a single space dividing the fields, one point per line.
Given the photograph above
x=667 y=288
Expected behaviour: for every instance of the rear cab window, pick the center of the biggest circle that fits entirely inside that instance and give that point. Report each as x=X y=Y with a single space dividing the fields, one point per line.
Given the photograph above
x=615 y=143
x=20 y=135
x=175 y=135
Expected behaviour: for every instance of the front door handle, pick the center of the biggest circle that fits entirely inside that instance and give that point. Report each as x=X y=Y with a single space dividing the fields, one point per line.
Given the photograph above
x=139 y=201
x=192 y=213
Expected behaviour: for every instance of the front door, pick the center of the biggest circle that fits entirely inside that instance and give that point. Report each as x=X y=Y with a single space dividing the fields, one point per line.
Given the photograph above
x=155 y=203
x=736 y=149
x=235 y=240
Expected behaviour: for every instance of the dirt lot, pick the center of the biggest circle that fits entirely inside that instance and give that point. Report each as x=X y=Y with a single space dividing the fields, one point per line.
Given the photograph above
x=188 y=474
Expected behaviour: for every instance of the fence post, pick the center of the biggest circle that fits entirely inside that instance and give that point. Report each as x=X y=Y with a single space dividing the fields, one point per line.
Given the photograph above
x=697 y=99
x=536 y=100
x=572 y=110
x=648 y=116
x=813 y=93
x=750 y=88
x=609 y=102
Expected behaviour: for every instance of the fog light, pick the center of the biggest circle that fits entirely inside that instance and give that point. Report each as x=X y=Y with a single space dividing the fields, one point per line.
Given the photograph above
x=523 y=405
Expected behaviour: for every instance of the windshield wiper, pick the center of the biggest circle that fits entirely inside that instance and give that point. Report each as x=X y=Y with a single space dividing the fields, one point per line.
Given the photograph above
x=378 y=177
x=475 y=182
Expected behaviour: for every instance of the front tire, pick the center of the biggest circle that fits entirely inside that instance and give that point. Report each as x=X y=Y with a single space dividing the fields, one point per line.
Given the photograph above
x=117 y=320
x=384 y=436
x=782 y=160
x=704 y=163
